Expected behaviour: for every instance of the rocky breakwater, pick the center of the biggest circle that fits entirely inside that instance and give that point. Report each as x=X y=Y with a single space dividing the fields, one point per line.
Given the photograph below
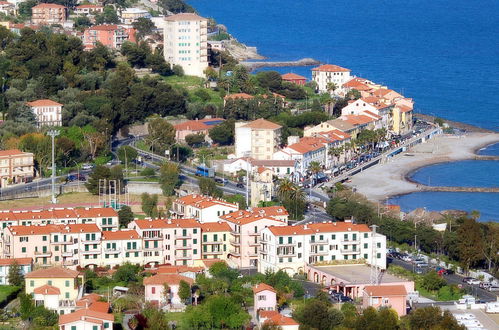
x=252 y=65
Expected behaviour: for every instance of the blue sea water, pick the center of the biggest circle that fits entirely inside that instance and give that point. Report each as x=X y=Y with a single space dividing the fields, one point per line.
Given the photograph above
x=492 y=150
x=444 y=54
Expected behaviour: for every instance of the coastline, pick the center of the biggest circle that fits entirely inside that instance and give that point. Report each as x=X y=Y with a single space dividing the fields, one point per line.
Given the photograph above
x=391 y=179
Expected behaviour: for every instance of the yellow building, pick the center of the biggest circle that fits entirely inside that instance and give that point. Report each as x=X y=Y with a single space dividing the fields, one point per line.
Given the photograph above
x=215 y=240
x=258 y=139
x=402 y=119
x=335 y=124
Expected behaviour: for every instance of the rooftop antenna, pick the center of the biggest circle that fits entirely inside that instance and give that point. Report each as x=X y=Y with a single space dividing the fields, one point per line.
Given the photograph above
x=375 y=271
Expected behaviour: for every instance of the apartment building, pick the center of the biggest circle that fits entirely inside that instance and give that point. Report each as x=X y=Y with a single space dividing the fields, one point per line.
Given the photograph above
x=49 y=13
x=328 y=73
x=56 y=288
x=290 y=248
x=202 y=208
x=88 y=9
x=7 y=8
x=186 y=43
x=246 y=227
x=258 y=139
x=121 y=246
x=305 y=151
x=105 y=218
x=25 y=266
x=215 y=240
x=15 y=167
x=47 y=112
x=110 y=35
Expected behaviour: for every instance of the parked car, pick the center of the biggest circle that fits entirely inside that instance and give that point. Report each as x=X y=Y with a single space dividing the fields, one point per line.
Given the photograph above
x=473 y=281
x=240 y=185
x=493 y=288
x=466 y=279
x=87 y=167
x=406 y=258
x=485 y=285
x=75 y=177
x=221 y=181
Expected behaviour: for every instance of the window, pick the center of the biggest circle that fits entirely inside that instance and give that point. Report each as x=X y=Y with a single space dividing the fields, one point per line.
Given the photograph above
x=365 y=255
x=195 y=231
x=153 y=290
x=23 y=250
x=280 y=260
x=290 y=240
x=31 y=283
x=49 y=282
x=378 y=245
x=281 y=239
x=215 y=237
x=95 y=327
x=44 y=238
x=73 y=327
x=195 y=251
x=366 y=235
x=365 y=245
x=378 y=255
x=262 y=298
x=345 y=237
x=299 y=255
x=195 y=241
x=56 y=258
x=333 y=257
x=67 y=284
x=345 y=257
x=354 y=237
x=56 y=248
x=66 y=295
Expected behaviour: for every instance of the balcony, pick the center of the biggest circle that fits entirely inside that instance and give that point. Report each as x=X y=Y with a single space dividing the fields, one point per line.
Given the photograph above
x=252 y=233
x=182 y=236
x=235 y=233
x=183 y=247
x=323 y=241
x=252 y=254
x=157 y=248
x=155 y=238
x=213 y=252
x=67 y=254
x=65 y=242
x=184 y=257
x=257 y=243
x=212 y=242
x=67 y=303
x=70 y=262
x=90 y=241
x=234 y=242
x=286 y=244
x=43 y=253
x=133 y=249
x=235 y=253
x=318 y=252
x=112 y=250
x=93 y=251
x=350 y=251
x=351 y=241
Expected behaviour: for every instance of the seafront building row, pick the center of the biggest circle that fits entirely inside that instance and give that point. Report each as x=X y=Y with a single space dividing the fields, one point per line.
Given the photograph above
x=200 y=228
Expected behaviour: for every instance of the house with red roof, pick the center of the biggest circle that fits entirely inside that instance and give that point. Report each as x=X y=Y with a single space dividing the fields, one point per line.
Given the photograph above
x=110 y=35
x=202 y=207
x=47 y=112
x=49 y=13
x=7 y=8
x=88 y=9
x=326 y=75
x=155 y=286
x=276 y=319
x=386 y=296
x=264 y=298
x=308 y=149
x=15 y=167
x=94 y=316
x=197 y=126
x=294 y=78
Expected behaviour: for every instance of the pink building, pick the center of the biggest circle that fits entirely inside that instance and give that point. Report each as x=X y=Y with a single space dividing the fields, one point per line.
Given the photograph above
x=112 y=36
x=294 y=78
x=265 y=298
x=198 y=126
x=392 y=296
x=274 y=318
x=154 y=287
x=49 y=13
x=246 y=228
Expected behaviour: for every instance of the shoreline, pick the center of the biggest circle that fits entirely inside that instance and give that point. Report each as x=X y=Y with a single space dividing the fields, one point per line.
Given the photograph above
x=391 y=179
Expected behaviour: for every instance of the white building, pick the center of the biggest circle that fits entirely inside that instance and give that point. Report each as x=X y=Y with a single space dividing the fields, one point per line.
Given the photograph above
x=328 y=73
x=305 y=151
x=202 y=208
x=290 y=248
x=47 y=112
x=185 y=42
x=130 y=15
x=258 y=139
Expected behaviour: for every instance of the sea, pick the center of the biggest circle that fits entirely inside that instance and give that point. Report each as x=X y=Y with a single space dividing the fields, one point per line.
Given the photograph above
x=444 y=55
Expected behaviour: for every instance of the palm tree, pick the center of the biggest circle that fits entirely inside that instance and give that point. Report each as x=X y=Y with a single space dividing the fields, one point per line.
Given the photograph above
x=331 y=87
x=285 y=188
x=315 y=168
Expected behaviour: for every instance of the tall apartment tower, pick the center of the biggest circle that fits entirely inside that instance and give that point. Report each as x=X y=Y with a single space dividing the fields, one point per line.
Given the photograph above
x=186 y=42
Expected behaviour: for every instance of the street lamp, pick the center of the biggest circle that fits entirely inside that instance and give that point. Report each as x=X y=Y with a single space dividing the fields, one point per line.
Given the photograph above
x=53 y=134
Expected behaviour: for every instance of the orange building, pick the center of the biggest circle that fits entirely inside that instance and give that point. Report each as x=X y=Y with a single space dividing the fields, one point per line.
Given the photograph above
x=110 y=35
x=49 y=13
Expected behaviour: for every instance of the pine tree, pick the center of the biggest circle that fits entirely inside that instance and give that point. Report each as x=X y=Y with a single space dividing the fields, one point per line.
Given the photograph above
x=15 y=276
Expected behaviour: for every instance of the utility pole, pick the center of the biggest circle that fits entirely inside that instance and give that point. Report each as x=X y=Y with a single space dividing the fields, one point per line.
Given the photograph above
x=53 y=134
x=374 y=276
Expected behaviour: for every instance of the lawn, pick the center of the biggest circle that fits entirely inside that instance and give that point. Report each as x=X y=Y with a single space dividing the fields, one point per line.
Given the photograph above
x=187 y=82
x=82 y=199
x=7 y=293
x=177 y=317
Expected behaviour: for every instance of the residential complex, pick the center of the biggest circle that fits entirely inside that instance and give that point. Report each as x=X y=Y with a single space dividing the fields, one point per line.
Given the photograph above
x=198 y=126
x=49 y=13
x=202 y=208
x=185 y=42
x=291 y=248
x=294 y=78
x=47 y=112
x=328 y=74
x=15 y=167
x=258 y=139
x=110 y=35
x=88 y=9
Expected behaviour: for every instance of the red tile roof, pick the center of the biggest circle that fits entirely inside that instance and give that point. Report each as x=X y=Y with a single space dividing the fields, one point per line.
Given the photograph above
x=372 y=114
x=358 y=119
x=203 y=201
x=292 y=76
x=280 y=320
x=53 y=272
x=47 y=290
x=215 y=227
x=85 y=315
x=196 y=125
x=120 y=235
x=83 y=228
x=357 y=84
x=88 y=6
x=308 y=144
x=385 y=290
x=243 y=217
x=310 y=229
x=262 y=124
x=170 y=279
x=104 y=27
x=170 y=223
x=20 y=261
x=262 y=287
x=271 y=211
x=48 y=5
x=331 y=68
x=44 y=102
x=177 y=269
x=35 y=230
x=404 y=108
x=238 y=96
x=13 y=152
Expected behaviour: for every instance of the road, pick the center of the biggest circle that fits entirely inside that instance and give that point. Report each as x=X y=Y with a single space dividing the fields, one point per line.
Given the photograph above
x=474 y=290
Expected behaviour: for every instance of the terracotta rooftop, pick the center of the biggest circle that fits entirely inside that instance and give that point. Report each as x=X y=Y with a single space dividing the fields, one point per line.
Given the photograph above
x=385 y=290
x=88 y=6
x=83 y=228
x=280 y=320
x=47 y=290
x=177 y=269
x=170 y=279
x=271 y=163
x=310 y=229
x=358 y=84
x=262 y=124
x=20 y=261
x=48 y=5
x=243 y=217
x=164 y=223
x=271 y=211
x=215 y=227
x=198 y=125
x=13 y=152
x=185 y=17
x=404 y=108
x=203 y=201
x=358 y=119
x=86 y=315
x=35 y=230
x=45 y=102
x=104 y=27
x=331 y=68
x=308 y=144
x=341 y=125
x=120 y=235
x=292 y=76
x=58 y=213
x=53 y=272
x=262 y=287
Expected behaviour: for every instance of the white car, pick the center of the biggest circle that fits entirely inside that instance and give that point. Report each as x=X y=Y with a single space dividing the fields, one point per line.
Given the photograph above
x=473 y=281
x=87 y=167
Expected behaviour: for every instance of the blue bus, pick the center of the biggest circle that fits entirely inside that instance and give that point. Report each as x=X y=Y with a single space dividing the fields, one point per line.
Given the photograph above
x=205 y=171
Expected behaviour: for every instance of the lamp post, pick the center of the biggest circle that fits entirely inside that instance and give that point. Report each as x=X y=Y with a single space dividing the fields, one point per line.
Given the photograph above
x=53 y=134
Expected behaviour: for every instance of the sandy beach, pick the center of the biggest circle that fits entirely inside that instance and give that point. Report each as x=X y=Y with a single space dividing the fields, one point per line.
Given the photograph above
x=389 y=179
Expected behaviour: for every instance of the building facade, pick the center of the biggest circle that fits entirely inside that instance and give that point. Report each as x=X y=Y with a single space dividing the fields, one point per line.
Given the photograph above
x=202 y=208
x=185 y=42
x=49 y=13
x=15 y=167
x=258 y=139
x=327 y=74
x=47 y=112
x=110 y=35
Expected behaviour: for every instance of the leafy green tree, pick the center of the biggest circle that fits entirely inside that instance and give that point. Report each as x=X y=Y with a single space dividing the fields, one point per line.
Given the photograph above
x=148 y=172
x=432 y=318
x=127 y=154
x=169 y=178
x=99 y=173
x=161 y=135
x=150 y=205
x=317 y=314
x=239 y=199
x=470 y=243
x=108 y=16
x=82 y=22
x=175 y=6
x=184 y=290
x=125 y=216
x=208 y=187
x=24 y=9
x=126 y=273
x=292 y=198
x=194 y=139
x=223 y=133
x=15 y=276
x=144 y=26
x=217 y=312
x=385 y=318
